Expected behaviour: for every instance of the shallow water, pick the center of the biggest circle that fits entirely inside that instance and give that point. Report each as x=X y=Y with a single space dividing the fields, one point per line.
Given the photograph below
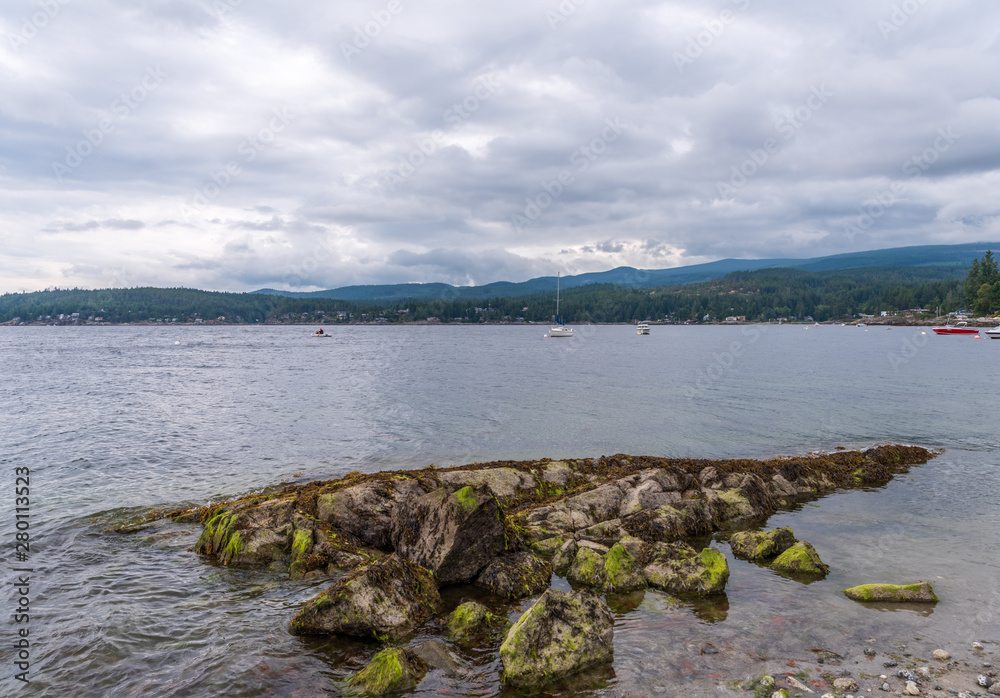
x=116 y=421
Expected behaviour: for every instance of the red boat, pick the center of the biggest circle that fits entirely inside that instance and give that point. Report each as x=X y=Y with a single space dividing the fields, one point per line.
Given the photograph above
x=959 y=328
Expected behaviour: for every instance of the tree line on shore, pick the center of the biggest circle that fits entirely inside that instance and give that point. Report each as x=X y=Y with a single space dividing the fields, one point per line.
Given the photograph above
x=760 y=295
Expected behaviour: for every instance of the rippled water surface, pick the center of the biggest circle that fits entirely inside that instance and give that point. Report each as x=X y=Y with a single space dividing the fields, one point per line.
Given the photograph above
x=116 y=421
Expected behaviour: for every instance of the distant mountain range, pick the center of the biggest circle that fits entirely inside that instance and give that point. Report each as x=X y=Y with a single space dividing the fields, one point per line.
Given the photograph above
x=917 y=256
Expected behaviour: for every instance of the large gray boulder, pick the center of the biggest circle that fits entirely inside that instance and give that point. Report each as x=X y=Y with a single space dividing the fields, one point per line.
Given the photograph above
x=386 y=597
x=558 y=636
x=516 y=576
x=760 y=545
x=250 y=534
x=365 y=510
x=677 y=569
x=455 y=535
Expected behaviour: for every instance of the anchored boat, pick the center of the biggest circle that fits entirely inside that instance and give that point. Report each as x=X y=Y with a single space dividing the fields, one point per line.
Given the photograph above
x=957 y=328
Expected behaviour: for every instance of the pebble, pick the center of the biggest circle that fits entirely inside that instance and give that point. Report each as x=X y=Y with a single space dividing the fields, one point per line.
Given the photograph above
x=847 y=684
x=904 y=674
x=994 y=690
x=885 y=687
x=869 y=652
x=890 y=664
x=911 y=689
x=977 y=646
x=942 y=655
x=984 y=681
x=924 y=671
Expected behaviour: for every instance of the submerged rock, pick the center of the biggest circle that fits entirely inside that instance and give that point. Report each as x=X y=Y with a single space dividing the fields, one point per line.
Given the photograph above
x=516 y=576
x=919 y=592
x=455 y=535
x=558 y=636
x=386 y=597
x=801 y=558
x=392 y=670
x=437 y=656
x=677 y=569
x=472 y=619
x=760 y=545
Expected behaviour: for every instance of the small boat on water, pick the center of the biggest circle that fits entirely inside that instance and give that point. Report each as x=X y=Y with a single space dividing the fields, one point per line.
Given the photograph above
x=994 y=333
x=560 y=330
x=957 y=328
x=642 y=328
x=321 y=334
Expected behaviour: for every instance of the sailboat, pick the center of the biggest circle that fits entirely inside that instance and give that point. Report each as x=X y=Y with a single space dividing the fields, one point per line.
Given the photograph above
x=560 y=330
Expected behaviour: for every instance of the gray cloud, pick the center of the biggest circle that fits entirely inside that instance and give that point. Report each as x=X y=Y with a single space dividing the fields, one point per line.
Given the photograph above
x=241 y=148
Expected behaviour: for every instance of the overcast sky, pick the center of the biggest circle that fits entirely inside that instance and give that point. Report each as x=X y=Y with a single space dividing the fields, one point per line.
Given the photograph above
x=236 y=144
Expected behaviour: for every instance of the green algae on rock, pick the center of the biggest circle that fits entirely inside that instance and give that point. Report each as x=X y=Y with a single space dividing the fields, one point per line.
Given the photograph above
x=385 y=597
x=472 y=620
x=559 y=635
x=677 y=569
x=516 y=576
x=802 y=559
x=760 y=545
x=392 y=670
x=587 y=568
x=918 y=592
x=622 y=571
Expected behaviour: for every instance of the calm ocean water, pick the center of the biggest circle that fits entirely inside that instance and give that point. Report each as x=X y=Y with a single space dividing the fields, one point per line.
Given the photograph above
x=116 y=421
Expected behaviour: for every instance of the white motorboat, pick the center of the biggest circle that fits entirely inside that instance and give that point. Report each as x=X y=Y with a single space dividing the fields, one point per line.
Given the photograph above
x=559 y=330
x=994 y=333
x=642 y=328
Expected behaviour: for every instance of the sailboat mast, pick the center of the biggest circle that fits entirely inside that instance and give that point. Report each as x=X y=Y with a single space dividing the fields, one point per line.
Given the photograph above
x=558 y=321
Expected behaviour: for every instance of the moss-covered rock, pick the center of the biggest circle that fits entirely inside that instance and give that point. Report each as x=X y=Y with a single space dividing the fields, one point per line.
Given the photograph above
x=622 y=571
x=516 y=576
x=802 y=559
x=392 y=670
x=473 y=620
x=587 y=569
x=548 y=547
x=455 y=535
x=386 y=597
x=677 y=569
x=558 y=636
x=563 y=559
x=761 y=545
x=252 y=534
x=918 y=592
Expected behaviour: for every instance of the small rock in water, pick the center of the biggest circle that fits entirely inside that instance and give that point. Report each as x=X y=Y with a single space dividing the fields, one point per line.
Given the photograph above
x=994 y=690
x=924 y=671
x=847 y=684
x=911 y=689
x=798 y=685
x=984 y=681
x=904 y=674
x=941 y=655
x=885 y=687
x=890 y=664
x=977 y=646
x=766 y=681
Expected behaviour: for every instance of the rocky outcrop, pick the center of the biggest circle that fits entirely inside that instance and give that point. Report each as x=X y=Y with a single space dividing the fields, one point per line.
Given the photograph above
x=918 y=592
x=801 y=559
x=558 y=636
x=365 y=510
x=473 y=620
x=455 y=535
x=386 y=597
x=392 y=670
x=761 y=545
x=516 y=576
x=678 y=569
x=249 y=534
